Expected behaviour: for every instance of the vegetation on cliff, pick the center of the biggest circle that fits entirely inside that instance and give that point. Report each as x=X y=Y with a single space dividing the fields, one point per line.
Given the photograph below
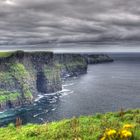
x=123 y=125
x=7 y=95
x=5 y=54
x=19 y=72
x=71 y=64
x=52 y=73
x=14 y=85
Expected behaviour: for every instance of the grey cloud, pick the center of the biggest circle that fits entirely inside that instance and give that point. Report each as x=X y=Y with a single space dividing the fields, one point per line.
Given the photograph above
x=40 y=21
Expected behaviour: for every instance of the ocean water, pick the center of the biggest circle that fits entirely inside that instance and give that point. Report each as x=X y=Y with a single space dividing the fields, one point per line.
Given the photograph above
x=106 y=87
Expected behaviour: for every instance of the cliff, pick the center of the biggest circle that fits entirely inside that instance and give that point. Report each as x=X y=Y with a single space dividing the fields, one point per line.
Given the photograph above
x=71 y=64
x=97 y=58
x=24 y=75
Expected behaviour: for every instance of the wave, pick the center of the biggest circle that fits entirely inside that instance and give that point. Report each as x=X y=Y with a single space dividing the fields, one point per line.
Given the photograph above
x=66 y=85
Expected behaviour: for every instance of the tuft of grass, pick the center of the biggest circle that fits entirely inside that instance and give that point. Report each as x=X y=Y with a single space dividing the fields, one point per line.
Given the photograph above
x=83 y=128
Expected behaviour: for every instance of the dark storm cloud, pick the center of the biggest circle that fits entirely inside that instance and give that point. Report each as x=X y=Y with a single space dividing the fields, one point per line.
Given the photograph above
x=36 y=21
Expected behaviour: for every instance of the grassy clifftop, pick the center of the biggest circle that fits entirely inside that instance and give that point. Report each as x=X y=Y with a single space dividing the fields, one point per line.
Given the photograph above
x=123 y=125
x=5 y=54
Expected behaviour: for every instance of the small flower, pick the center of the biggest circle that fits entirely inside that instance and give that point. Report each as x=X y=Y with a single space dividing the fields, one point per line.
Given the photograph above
x=103 y=138
x=127 y=126
x=111 y=132
x=125 y=134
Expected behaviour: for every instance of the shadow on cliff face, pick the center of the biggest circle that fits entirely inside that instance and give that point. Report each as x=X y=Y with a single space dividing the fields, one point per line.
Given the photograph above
x=41 y=82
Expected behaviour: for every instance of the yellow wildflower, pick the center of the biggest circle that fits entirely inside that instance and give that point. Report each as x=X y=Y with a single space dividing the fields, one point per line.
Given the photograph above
x=111 y=132
x=127 y=126
x=126 y=134
x=103 y=138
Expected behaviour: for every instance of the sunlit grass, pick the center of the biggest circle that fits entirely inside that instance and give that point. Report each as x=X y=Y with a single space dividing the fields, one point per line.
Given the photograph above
x=110 y=126
x=5 y=54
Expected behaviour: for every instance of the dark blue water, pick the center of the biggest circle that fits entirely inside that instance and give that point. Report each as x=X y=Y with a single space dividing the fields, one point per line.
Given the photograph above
x=105 y=87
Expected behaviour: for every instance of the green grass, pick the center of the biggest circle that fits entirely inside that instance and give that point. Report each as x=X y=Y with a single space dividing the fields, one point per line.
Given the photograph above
x=7 y=95
x=83 y=128
x=15 y=71
x=5 y=77
x=19 y=72
x=5 y=54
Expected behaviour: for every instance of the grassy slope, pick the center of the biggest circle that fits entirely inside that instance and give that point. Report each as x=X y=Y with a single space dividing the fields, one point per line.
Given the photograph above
x=5 y=54
x=83 y=128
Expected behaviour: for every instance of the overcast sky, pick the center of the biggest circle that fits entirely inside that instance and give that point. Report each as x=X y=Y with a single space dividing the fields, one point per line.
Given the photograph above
x=42 y=21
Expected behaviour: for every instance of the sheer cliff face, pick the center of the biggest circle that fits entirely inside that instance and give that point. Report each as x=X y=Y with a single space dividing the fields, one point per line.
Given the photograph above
x=71 y=64
x=24 y=75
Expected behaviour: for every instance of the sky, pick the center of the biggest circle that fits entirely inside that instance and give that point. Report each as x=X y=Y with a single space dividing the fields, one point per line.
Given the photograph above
x=69 y=21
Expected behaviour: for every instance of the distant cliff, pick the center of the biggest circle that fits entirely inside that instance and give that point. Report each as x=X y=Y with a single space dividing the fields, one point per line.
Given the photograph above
x=96 y=58
x=71 y=64
x=24 y=75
